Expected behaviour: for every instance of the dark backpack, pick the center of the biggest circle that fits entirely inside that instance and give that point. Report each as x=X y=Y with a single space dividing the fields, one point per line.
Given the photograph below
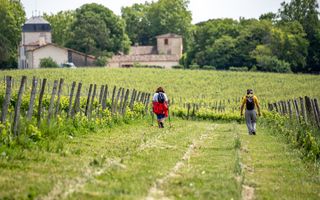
x=249 y=103
x=161 y=97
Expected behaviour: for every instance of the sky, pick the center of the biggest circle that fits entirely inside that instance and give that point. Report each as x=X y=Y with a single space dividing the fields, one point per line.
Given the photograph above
x=202 y=10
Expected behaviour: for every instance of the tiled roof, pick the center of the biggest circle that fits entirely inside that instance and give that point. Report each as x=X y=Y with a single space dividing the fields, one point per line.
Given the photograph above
x=37 y=20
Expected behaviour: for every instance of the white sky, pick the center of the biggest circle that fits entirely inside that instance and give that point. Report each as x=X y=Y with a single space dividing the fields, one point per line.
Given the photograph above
x=202 y=10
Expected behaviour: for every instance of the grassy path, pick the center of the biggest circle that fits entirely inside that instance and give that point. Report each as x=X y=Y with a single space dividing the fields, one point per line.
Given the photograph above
x=274 y=170
x=192 y=160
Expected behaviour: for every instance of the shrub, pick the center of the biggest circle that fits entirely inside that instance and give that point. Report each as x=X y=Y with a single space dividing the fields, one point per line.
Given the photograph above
x=48 y=63
x=272 y=64
x=239 y=69
x=177 y=67
x=208 y=67
x=101 y=61
x=194 y=67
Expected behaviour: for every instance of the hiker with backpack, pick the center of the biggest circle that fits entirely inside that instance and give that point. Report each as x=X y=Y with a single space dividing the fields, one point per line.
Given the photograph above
x=250 y=101
x=160 y=106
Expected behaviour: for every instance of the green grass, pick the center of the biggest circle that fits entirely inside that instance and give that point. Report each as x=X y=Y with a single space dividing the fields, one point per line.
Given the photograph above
x=275 y=170
x=190 y=84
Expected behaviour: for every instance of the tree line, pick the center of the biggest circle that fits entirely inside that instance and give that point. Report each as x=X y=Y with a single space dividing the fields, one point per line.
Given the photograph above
x=286 y=41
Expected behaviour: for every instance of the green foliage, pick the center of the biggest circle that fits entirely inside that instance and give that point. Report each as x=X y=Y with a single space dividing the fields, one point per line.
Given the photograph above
x=194 y=67
x=307 y=14
x=301 y=135
x=12 y=16
x=98 y=31
x=145 y=21
x=239 y=69
x=101 y=61
x=208 y=67
x=61 y=26
x=272 y=64
x=48 y=63
x=177 y=67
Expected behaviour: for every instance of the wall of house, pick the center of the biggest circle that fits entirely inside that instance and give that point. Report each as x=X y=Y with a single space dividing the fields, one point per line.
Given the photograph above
x=59 y=55
x=79 y=60
x=165 y=64
x=174 y=46
x=30 y=37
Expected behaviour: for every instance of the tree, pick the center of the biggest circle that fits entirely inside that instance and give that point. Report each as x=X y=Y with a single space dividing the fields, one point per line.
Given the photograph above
x=307 y=14
x=137 y=23
x=12 y=16
x=145 y=21
x=98 y=31
x=61 y=26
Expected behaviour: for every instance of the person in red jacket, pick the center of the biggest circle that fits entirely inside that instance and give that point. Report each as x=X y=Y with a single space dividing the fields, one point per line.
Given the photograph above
x=160 y=106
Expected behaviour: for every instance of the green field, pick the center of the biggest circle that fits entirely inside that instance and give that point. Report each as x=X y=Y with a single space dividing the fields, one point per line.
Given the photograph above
x=189 y=84
x=188 y=159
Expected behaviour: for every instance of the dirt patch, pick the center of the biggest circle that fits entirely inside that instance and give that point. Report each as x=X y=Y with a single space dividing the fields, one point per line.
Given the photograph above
x=155 y=192
x=247 y=192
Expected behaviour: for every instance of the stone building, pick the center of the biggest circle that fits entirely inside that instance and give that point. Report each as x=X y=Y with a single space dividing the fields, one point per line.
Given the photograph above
x=166 y=53
x=37 y=43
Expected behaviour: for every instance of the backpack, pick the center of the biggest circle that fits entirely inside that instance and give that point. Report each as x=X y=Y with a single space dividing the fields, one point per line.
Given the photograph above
x=249 y=103
x=161 y=97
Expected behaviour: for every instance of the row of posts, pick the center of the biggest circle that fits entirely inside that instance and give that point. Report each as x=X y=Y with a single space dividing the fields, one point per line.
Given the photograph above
x=303 y=109
x=119 y=101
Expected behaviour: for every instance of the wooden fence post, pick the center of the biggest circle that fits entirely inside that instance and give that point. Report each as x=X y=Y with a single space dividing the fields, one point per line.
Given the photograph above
x=32 y=98
x=92 y=99
x=302 y=107
x=188 y=107
x=6 y=102
x=113 y=98
x=101 y=94
x=76 y=106
x=71 y=98
x=295 y=103
x=18 y=105
x=309 y=110
x=132 y=99
x=88 y=100
x=147 y=103
x=121 y=100
x=316 y=110
x=43 y=87
x=104 y=98
x=124 y=106
x=53 y=95
x=289 y=108
x=116 y=102
x=59 y=95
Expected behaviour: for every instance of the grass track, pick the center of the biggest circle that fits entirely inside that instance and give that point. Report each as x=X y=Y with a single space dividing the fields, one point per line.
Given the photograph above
x=192 y=160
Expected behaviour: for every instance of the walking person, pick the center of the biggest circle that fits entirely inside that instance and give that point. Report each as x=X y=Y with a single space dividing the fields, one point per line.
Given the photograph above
x=250 y=101
x=160 y=106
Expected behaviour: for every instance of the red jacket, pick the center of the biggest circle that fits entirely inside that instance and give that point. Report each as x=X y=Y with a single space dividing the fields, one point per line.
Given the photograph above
x=160 y=108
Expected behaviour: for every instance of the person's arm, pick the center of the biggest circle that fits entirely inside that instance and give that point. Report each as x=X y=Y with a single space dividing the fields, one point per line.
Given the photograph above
x=242 y=106
x=258 y=106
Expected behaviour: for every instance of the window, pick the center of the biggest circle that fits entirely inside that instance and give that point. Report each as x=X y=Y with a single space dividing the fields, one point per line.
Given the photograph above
x=166 y=41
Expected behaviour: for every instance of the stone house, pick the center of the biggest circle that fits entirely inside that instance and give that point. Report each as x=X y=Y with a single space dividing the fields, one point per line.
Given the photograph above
x=37 y=43
x=166 y=53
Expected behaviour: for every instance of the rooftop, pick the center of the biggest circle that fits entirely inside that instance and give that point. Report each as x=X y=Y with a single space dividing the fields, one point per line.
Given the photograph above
x=37 y=20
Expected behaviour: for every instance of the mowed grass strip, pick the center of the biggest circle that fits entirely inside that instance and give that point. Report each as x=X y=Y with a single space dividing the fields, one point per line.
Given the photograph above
x=51 y=169
x=210 y=173
x=153 y=159
x=274 y=169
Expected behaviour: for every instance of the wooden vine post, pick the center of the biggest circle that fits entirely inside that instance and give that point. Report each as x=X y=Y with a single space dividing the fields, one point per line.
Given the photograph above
x=16 y=118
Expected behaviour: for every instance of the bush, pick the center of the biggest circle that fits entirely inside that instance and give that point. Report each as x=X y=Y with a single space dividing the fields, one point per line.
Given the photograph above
x=272 y=64
x=208 y=67
x=48 y=63
x=138 y=65
x=239 y=69
x=101 y=61
x=177 y=67
x=194 y=67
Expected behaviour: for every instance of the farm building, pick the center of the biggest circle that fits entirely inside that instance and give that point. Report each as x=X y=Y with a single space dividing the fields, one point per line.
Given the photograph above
x=37 y=43
x=166 y=53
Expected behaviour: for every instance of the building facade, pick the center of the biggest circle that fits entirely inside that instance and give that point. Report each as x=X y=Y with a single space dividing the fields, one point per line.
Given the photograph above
x=166 y=53
x=36 y=44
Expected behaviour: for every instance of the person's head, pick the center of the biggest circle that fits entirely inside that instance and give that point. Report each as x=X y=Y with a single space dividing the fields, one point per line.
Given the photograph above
x=249 y=92
x=160 y=89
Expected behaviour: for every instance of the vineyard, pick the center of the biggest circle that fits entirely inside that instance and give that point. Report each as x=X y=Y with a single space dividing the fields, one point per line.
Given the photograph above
x=89 y=133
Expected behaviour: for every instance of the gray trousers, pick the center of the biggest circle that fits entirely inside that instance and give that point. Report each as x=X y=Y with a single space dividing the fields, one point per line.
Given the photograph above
x=251 y=119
